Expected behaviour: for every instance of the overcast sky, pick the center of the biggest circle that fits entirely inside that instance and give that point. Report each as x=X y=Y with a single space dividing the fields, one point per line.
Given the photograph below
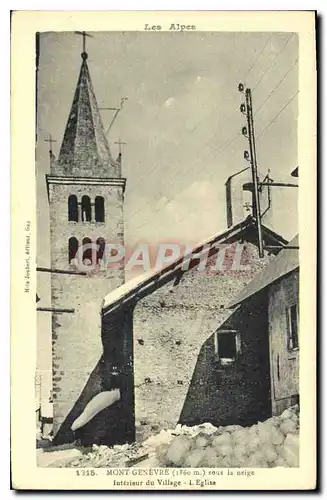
x=181 y=122
x=181 y=111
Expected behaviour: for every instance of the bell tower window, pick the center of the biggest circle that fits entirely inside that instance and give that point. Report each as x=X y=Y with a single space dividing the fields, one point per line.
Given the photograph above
x=99 y=209
x=72 y=208
x=72 y=249
x=87 y=252
x=86 y=209
x=100 y=249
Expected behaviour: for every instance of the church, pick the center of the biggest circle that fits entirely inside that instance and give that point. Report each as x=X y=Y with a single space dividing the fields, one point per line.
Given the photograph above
x=151 y=330
x=86 y=194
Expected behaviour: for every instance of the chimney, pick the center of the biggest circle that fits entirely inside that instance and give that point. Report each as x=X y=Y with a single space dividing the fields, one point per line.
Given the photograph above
x=238 y=200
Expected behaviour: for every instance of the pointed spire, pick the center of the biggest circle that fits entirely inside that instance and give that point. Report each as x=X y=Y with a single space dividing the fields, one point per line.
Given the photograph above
x=85 y=150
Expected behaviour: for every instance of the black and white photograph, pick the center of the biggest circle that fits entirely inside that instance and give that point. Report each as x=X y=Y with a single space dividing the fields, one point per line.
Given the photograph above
x=167 y=273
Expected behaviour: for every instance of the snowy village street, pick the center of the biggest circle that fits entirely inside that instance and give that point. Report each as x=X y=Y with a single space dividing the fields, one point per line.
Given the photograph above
x=273 y=443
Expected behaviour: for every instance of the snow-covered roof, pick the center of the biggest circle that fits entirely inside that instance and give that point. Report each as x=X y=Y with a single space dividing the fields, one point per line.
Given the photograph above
x=129 y=290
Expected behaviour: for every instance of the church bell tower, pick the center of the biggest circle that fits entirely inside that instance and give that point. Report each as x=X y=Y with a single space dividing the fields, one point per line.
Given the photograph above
x=86 y=194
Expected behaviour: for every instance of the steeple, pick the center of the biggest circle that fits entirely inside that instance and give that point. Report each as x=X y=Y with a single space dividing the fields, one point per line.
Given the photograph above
x=85 y=150
x=86 y=199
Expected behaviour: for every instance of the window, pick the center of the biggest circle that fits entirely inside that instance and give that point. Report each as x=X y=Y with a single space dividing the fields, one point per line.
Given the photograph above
x=292 y=327
x=72 y=249
x=86 y=209
x=227 y=346
x=100 y=249
x=87 y=252
x=99 y=209
x=72 y=208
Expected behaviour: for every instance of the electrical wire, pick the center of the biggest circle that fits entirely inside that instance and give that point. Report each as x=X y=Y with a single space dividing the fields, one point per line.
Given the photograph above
x=277 y=115
x=276 y=87
x=228 y=119
x=158 y=165
x=225 y=143
x=257 y=58
x=273 y=61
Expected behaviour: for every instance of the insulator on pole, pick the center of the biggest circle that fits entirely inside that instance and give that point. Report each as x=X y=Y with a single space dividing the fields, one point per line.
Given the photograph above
x=244 y=131
x=246 y=155
x=242 y=108
x=241 y=87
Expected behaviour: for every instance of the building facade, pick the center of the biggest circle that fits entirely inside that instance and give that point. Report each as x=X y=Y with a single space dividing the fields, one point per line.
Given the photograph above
x=174 y=316
x=284 y=342
x=277 y=287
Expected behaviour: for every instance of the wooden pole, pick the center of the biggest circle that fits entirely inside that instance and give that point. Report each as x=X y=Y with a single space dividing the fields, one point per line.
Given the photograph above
x=54 y=310
x=287 y=247
x=254 y=168
x=60 y=271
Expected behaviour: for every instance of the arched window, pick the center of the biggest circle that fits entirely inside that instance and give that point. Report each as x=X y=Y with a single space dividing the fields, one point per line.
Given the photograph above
x=86 y=209
x=87 y=252
x=100 y=249
x=72 y=249
x=99 y=209
x=72 y=208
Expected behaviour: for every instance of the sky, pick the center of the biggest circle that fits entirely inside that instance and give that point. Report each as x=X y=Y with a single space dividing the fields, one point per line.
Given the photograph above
x=181 y=123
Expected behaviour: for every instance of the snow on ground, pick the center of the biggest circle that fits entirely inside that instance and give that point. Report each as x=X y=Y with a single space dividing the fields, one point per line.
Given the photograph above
x=273 y=443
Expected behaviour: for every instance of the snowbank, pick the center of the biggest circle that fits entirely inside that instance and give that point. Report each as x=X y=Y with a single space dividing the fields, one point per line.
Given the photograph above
x=273 y=443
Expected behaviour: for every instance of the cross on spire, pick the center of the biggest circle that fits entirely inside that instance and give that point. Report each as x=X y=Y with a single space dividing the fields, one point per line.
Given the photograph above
x=119 y=157
x=84 y=35
x=120 y=143
x=50 y=140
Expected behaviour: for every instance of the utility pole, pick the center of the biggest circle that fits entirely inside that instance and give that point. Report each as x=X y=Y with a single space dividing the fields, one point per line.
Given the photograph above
x=249 y=133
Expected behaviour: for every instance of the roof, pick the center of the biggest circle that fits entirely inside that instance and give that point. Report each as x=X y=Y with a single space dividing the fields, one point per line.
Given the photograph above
x=142 y=283
x=284 y=263
x=85 y=150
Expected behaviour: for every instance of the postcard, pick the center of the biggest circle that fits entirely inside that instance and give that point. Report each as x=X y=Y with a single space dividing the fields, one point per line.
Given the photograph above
x=164 y=250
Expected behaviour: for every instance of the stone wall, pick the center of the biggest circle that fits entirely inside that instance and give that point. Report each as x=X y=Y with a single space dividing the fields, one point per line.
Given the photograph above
x=170 y=326
x=76 y=338
x=237 y=393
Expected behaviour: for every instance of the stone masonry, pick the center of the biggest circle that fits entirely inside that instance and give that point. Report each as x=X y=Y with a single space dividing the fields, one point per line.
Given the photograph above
x=84 y=167
x=76 y=338
x=170 y=326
